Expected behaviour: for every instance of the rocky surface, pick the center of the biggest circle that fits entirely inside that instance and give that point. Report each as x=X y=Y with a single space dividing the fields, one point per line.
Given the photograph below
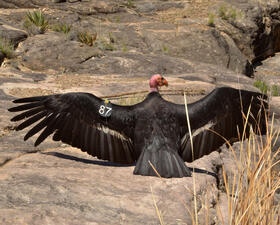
x=239 y=34
x=57 y=184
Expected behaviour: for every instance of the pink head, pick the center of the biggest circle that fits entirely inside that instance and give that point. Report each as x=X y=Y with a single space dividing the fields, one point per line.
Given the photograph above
x=157 y=81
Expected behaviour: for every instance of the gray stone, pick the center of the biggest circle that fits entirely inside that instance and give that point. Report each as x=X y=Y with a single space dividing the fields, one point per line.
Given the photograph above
x=54 y=52
x=2 y=56
x=201 y=44
x=14 y=35
x=152 y=6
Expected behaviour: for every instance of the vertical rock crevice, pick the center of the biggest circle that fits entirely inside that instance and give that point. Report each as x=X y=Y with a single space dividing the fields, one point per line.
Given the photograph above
x=267 y=38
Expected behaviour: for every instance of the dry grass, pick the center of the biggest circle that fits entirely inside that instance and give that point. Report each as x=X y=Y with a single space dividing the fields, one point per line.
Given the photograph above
x=87 y=38
x=7 y=48
x=251 y=191
x=131 y=100
x=194 y=218
x=155 y=205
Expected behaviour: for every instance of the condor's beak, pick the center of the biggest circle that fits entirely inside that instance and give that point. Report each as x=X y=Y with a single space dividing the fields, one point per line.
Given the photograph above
x=162 y=82
x=165 y=82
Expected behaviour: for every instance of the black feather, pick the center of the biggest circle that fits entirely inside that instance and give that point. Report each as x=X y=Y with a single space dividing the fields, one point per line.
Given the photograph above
x=76 y=133
x=27 y=114
x=25 y=107
x=87 y=139
x=59 y=126
x=104 y=147
x=52 y=125
x=38 y=127
x=30 y=99
x=31 y=120
x=66 y=131
x=94 y=136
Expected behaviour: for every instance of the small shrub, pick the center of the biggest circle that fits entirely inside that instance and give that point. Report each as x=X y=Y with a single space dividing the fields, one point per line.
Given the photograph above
x=112 y=38
x=129 y=4
x=275 y=90
x=223 y=12
x=55 y=27
x=211 y=18
x=87 y=38
x=117 y=19
x=233 y=13
x=165 y=49
x=65 y=28
x=61 y=28
x=124 y=48
x=105 y=45
x=108 y=43
x=6 y=47
x=264 y=88
x=36 y=18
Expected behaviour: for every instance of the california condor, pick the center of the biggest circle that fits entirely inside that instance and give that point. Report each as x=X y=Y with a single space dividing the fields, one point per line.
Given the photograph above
x=152 y=133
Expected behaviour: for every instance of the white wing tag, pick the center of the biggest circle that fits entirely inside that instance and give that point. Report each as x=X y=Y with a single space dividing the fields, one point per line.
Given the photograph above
x=105 y=109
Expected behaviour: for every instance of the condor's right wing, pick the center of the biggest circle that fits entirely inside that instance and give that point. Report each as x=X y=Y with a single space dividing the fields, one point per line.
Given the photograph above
x=80 y=120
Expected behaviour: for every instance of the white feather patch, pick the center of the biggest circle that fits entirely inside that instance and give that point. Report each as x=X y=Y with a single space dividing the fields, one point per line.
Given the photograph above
x=113 y=133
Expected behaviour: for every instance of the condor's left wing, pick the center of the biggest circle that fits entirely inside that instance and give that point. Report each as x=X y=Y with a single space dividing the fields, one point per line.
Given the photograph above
x=218 y=117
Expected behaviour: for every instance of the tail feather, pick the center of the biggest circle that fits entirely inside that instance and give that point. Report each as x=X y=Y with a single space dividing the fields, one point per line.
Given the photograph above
x=167 y=163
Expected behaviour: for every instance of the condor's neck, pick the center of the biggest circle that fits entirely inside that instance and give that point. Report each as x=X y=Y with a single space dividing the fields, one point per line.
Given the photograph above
x=153 y=89
x=153 y=94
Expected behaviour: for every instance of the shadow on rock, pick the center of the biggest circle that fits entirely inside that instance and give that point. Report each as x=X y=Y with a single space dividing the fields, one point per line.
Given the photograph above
x=88 y=161
x=197 y=170
x=106 y=163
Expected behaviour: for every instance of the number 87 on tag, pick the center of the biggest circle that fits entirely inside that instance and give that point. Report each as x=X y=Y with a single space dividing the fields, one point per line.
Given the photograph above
x=105 y=109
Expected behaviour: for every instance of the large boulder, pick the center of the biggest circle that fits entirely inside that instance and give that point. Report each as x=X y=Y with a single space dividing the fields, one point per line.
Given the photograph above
x=14 y=35
x=176 y=29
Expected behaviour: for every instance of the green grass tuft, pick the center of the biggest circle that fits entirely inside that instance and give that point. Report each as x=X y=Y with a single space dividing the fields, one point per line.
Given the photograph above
x=264 y=88
x=124 y=48
x=117 y=19
x=211 y=18
x=61 y=28
x=275 y=90
x=7 y=48
x=87 y=38
x=108 y=46
x=36 y=18
x=165 y=49
x=223 y=12
x=129 y=4
x=226 y=13
x=233 y=13
x=108 y=43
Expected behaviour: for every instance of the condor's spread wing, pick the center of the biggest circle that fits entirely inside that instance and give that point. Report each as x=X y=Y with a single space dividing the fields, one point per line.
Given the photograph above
x=218 y=115
x=75 y=119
